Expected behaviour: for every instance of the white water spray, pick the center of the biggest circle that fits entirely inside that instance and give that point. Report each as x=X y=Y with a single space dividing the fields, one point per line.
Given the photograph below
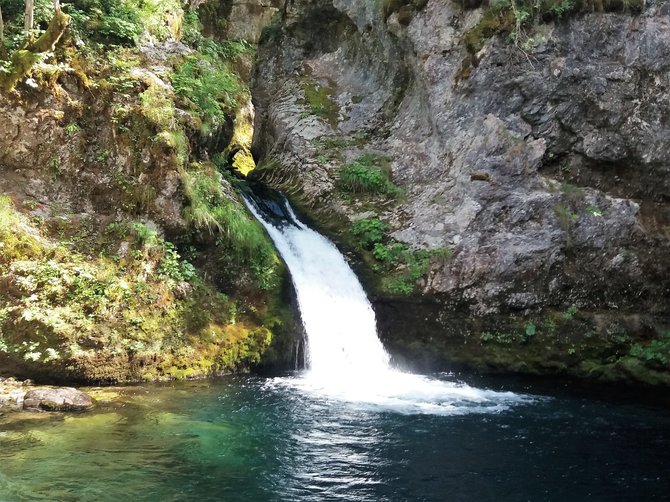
x=345 y=358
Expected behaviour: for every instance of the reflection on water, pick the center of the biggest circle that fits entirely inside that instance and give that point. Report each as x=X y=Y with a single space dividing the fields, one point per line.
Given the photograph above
x=251 y=439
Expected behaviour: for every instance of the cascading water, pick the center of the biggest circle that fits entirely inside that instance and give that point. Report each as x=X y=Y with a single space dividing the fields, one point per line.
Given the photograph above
x=345 y=358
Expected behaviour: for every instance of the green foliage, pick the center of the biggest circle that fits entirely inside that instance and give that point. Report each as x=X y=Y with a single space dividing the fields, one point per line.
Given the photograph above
x=8 y=216
x=398 y=286
x=144 y=234
x=226 y=50
x=157 y=105
x=399 y=266
x=517 y=16
x=656 y=351
x=531 y=329
x=570 y=312
x=566 y=217
x=125 y=22
x=207 y=87
x=272 y=30
x=404 y=266
x=369 y=174
x=509 y=338
x=369 y=231
x=120 y=23
x=62 y=306
x=173 y=267
x=72 y=128
x=220 y=212
x=594 y=211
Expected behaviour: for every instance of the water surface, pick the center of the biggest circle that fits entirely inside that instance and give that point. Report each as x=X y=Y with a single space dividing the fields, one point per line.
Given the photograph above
x=257 y=439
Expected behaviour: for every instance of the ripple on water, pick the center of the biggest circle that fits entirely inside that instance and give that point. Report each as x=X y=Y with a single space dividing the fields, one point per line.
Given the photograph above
x=248 y=439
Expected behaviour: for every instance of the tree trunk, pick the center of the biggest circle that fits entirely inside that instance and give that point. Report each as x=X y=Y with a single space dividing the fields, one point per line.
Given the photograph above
x=29 y=19
x=47 y=42
x=2 y=32
x=56 y=5
x=23 y=60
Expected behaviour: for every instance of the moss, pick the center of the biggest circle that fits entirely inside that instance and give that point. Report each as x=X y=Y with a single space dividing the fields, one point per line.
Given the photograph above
x=545 y=343
x=23 y=60
x=69 y=316
x=243 y=132
x=48 y=40
x=22 y=63
x=492 y=23
x=516 y=17
x=79 y=301
x=320 y=102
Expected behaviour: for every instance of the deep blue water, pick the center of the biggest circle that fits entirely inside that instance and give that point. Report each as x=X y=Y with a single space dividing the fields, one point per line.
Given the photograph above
x=249 y=439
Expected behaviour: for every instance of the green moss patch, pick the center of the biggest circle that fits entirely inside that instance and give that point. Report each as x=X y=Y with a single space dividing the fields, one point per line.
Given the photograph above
x=319 y=101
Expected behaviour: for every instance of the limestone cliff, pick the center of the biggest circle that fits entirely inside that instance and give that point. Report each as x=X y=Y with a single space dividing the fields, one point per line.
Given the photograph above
x=503 y=187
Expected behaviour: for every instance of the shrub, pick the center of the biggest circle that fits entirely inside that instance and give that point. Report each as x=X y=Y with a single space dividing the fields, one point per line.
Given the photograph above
x=369 y=174
x=121 y=23
x=208 y=88
x=320 y=102
x=657 y=351
x=369 y=231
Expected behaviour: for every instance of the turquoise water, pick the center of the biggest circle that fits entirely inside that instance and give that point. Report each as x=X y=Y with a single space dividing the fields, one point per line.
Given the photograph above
x=256 y=439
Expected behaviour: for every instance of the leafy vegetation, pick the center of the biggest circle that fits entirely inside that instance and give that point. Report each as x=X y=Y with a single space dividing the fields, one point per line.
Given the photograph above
x=60 y=307
x=369 y=231
x=207 y=87
x=368 y=174
x=213 y=209
x=76 y=298
x=399 y=266
x=516 y=17
x=657 y=351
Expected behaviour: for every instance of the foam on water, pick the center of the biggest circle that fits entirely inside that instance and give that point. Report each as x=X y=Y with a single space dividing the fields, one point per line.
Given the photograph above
x=346 y=361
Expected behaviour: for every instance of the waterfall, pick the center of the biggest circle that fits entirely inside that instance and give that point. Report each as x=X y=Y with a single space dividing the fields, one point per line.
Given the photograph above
x=344 y=357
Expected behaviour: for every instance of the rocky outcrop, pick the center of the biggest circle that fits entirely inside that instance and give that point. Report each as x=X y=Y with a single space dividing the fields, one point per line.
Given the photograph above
x=542 y=164
x=126 y=253
x=60 y=399
x=238 y=19
x=23 y=395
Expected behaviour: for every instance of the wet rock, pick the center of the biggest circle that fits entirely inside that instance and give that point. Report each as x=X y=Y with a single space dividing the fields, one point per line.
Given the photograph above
x=537 y=167
x=59 y=399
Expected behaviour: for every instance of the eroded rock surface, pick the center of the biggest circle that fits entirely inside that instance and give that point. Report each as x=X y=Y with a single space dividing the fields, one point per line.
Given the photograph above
x=544 y=166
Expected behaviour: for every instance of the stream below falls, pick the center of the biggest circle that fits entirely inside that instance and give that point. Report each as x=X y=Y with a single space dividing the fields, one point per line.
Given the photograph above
x=258 y=439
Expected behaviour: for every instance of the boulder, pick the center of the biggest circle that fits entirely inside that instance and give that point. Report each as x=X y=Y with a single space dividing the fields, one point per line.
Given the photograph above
x=60 y=399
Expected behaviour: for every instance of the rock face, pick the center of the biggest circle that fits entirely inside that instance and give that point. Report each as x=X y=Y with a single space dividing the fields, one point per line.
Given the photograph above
x=238 y=19
x=543 y=165
x=60 y=399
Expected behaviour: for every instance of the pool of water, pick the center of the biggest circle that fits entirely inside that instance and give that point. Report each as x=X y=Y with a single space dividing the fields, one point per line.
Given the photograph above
x=261 y=439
